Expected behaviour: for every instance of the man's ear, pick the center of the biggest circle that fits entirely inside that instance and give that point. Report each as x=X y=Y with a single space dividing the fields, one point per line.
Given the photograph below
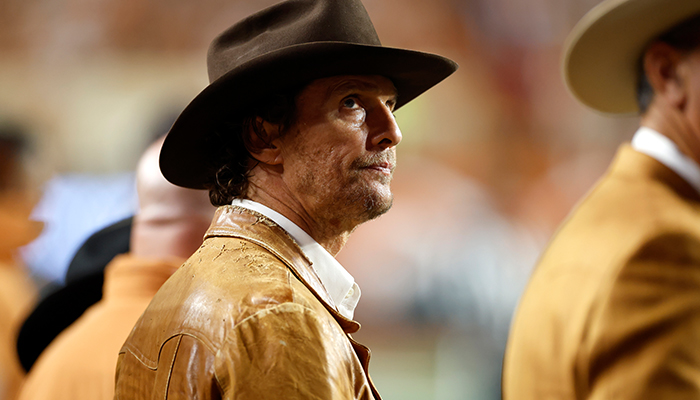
x=263 y=142
x=664 y=67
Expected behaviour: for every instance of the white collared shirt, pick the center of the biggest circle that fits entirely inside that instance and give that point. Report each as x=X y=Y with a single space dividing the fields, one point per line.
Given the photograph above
x=338 y=282
x=663 y=150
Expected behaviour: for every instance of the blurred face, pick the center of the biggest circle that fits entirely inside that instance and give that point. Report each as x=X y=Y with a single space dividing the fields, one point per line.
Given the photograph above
x=339 y=155
x=693 y=84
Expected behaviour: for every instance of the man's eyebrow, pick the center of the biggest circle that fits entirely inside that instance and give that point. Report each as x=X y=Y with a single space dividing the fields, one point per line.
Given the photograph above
x=353 y=86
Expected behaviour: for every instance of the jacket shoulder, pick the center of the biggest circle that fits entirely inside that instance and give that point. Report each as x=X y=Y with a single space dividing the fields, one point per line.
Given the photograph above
x=224 y=282
x=632 y=243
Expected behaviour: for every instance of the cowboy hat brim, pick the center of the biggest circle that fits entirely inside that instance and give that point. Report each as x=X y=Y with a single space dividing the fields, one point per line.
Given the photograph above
x=602 y=51
x=184 y=156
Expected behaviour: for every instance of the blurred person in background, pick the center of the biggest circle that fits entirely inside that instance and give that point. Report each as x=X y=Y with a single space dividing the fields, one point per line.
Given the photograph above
x=72 y=207
x=295 y=138
x=612 y=310
x=60 y=307
x=17 y=292
x=75 y=205
x=169 y=226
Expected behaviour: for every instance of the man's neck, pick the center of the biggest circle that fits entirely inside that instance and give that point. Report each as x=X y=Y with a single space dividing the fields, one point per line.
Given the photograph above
x=329 y=235
x=672 y=123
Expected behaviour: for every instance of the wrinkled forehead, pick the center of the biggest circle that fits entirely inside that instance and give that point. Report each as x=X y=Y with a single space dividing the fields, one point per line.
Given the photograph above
x=347 y=84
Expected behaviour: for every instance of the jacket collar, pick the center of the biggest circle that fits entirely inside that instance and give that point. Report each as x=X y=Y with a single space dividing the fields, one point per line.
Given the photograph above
x=242 y=223
x=631 y=163
x=665 y=151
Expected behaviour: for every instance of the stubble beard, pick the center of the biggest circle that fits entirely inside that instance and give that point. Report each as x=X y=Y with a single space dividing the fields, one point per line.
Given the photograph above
x=369 y=201
x=354 y=201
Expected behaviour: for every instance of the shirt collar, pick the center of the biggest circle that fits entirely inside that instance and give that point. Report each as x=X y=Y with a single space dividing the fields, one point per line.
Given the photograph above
x=338 y=282
x=663 y=150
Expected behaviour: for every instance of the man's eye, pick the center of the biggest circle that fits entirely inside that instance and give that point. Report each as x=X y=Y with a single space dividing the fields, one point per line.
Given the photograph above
x=349 y=102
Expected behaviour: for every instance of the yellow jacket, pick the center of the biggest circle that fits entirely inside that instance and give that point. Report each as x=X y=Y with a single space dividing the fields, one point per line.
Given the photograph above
x=245 y=317
x=612 y=311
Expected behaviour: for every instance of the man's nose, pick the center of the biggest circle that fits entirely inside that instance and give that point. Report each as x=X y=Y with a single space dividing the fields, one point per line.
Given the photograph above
x=384 y=131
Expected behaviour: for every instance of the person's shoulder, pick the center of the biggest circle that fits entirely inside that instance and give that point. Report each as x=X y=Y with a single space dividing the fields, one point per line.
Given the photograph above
x=224 y=282
x=618 y=221
x=233 y=268
x=622 y=212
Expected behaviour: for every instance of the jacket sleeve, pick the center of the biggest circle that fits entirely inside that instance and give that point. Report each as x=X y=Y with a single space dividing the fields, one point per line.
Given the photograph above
x=286 y=352
x=644 y=338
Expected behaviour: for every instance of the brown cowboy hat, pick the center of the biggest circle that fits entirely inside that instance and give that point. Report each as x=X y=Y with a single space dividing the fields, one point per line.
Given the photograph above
x=283 y=47
x=601 y=53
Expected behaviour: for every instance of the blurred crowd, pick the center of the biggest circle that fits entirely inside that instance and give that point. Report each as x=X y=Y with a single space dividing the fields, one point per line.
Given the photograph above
x=491 y=163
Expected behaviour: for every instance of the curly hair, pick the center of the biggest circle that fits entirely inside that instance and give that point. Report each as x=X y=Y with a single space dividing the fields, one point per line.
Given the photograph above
x=230 y=147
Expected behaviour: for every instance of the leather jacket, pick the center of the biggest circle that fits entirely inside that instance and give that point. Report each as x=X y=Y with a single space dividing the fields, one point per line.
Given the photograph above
x=245 y=317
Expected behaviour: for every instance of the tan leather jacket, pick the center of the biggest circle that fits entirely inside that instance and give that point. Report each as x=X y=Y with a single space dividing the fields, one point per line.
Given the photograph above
x=245 y=317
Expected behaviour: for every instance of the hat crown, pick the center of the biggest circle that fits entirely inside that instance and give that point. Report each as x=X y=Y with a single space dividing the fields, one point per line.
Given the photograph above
x=287 y=24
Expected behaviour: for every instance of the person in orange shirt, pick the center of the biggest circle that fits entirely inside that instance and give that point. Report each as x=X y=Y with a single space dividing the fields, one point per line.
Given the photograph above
x=169 y=226
x=17 y=291
x=62 y=305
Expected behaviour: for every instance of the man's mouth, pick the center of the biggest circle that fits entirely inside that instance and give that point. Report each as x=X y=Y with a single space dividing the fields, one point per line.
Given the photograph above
x=383 y=167
x=382 y=163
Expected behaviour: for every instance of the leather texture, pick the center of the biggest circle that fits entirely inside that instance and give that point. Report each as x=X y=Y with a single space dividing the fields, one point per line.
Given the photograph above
x=245 y=317
x=612 y=311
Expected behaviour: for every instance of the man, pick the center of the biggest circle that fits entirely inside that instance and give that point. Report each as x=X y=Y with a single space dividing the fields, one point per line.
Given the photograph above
x=168 y=227
x=612 y=311
x=295 y=138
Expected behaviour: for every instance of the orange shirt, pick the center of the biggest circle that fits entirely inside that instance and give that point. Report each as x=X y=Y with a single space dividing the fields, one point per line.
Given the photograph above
x=80 y=363
x=17 y=295
x=17 y=292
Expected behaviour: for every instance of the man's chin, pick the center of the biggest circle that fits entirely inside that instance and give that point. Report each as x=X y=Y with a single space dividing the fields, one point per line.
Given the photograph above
x=364 y=203
x=377 y=206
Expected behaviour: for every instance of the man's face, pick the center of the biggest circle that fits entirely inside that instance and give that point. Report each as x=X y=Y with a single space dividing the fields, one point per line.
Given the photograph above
x=339 y=155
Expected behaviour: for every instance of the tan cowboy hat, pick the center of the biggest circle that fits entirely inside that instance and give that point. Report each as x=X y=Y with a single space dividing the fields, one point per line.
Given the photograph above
x=283 y=47
x=601 y=53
